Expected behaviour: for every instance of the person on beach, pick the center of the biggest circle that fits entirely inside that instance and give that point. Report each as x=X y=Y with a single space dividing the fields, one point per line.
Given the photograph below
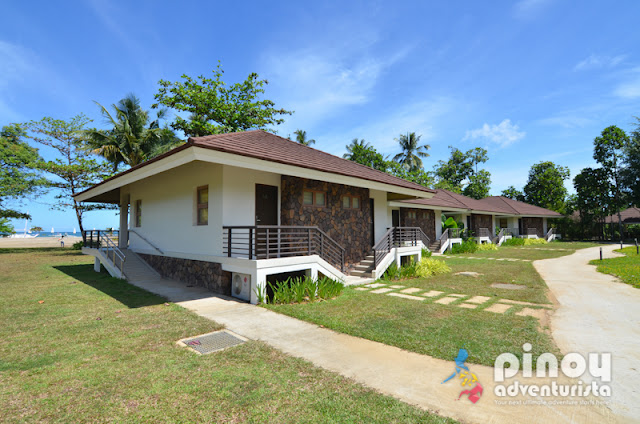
x=62 y=240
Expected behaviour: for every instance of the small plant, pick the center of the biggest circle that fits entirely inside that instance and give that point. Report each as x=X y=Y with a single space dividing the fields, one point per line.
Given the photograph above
x=77 y=246
x=513 y=242
x=529 y=242
x=392 y=273
x=426 y=253
x=301 y=289
x=484 y=247
x=468 y=246
x=431 y=266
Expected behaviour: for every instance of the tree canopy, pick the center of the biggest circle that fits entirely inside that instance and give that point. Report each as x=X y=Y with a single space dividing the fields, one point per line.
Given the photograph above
x=364 y=154
x=545 y=186
x=630 y=174
x=216 y=108
x=301 y=137
x=133 y=137
x=513 y=193
x=460 y=173
x=411 y=151
x=479 y=183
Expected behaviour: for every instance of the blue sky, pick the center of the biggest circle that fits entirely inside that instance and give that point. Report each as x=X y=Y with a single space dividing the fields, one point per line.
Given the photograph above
x=529 y=80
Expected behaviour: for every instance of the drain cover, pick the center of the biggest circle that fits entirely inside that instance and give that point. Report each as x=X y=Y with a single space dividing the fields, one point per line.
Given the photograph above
x=212 y=342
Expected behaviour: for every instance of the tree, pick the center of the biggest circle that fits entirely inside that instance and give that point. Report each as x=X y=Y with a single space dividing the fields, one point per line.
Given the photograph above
x=454 y=171
x=545 y=187
x=630 y=174
x=216 y=108
x=70 y=172
x=418 y=176
x=478 y=155
x=608 y=152
x=593 y=198
x=6 y=227
x=513 y=193
x=365 y=154
x=411 y=152
x=356 y=143
x=18 y=163
x=301 y=137
x=479 y=185
x=133 y=137
x=36 y=229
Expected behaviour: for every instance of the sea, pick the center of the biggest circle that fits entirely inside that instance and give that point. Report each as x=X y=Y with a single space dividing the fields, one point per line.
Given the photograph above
x=55 y=234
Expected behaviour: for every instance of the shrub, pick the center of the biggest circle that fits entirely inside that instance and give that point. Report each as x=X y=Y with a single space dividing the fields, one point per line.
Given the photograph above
x=395 y=273
x=513 y=242
x=426 y=253
x=431 y=266
x=486 y=247
x=77 y=246
x=529 y=242
x=301 y=289
x=468 y=246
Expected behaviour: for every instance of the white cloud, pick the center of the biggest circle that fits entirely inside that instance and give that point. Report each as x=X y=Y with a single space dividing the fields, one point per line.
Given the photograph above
x=599 y=62
x=503 y=134
x=529 y=8
x=629 y=89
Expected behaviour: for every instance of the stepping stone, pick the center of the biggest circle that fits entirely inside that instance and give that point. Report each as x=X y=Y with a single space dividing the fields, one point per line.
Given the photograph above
x=432 y=293
x=411 y=290
x=446 y=300
x=498 y=308
x=396 y=287
x=467 y=306
x=468 y=274
x=526 y=260
x=478 y=299
x=518 y=302
x=528 y=312
x=501 y=259
x=380 y=291
x=362 y=288
x=405 y=296
x=508 y=286
x=456 y=295
x=375 y=285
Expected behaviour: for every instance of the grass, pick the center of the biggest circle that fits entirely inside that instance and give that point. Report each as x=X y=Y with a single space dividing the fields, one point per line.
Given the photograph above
x=626 y=268
x=101 y=350
x=440 y=330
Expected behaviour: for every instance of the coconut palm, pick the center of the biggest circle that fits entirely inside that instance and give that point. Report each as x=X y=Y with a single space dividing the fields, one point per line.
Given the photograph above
x=133 y=137
x=354 y=143
x=412 y=151
x=301 y=137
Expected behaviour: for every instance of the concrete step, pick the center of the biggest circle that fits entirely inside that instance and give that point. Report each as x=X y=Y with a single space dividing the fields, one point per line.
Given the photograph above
x=360 y=273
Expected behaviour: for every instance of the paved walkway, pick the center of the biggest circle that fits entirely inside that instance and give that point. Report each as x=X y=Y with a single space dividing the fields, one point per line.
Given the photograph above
x=598 y=314
x=410 y=377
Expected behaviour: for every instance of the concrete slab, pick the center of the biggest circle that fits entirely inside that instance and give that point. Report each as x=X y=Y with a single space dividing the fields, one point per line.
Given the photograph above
x=478 y=299
x=432 y=293
x=529 y=312
x=396 y=286
x=405 y=296
x=375 y=285
x=411 y=290
x=467 y=306
x=457 y=295
x=381 y=291
x=446 y=300
x=498 y=308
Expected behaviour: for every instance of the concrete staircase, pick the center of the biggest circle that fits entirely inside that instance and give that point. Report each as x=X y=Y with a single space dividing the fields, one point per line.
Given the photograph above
x=435 y=246
x=136 y=269
x=365 y=268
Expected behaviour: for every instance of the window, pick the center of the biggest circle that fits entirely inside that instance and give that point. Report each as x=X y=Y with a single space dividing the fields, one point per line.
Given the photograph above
x=314 y=198
x=203 y=205
x=138 y=213
x=503 y=223
x=350 y=202
x=412 y=214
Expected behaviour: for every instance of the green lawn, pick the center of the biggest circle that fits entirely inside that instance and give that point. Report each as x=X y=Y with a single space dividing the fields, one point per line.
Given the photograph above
x=626 y=268
x=101 y=350
x=440 y=330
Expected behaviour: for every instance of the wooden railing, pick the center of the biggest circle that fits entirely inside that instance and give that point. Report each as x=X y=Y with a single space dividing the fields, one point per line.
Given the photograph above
x=398 y=237
x=456 y=232
x=550 y=234
x=275 y=241
x=513 y=232
x=484 y=232
x=532 y=232
x=98 y=239
x=499 y=238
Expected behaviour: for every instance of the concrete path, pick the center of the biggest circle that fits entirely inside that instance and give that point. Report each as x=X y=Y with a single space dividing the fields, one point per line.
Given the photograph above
x=597 y=313
x=410 y=377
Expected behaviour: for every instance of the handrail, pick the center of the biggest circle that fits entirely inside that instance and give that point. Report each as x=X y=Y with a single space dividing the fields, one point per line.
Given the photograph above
x=550 y=233
x=532 y=231
x=109 y=245
x=483 y=232
x=277 y=241
x=500 y=237
x=397 y=237
x=147 y=241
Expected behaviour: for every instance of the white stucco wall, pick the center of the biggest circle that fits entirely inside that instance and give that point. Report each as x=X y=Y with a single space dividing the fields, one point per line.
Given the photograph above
x=381 y=213
x=239 y=194
x=168 y=210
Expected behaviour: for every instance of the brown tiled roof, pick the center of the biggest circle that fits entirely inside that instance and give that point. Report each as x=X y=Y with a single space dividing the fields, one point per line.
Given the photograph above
x=494 y=204
x=270 y=147
x=518 y=208
x=629 y=216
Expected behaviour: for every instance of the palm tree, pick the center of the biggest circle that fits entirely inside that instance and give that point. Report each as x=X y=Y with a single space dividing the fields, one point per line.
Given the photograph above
x=353 y=144
x=301 y=137
x=133 y=138
x=411 y=151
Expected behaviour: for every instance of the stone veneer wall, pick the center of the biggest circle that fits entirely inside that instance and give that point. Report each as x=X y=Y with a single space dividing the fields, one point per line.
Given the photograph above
x=198 y=273
x=480 y=221
x=351 y=228
x=533 y=223
x=425 y=219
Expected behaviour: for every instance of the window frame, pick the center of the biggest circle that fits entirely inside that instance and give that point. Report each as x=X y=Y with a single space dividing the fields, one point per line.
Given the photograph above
x=202 y=205
x=314 y=203
x=138 y=214
x=350 y=197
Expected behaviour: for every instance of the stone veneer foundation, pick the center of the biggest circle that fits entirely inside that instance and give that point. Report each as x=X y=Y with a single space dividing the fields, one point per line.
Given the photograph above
x=533 y=223
x=425 y=219
x=481 y=221
x=198 y=273
x=351 y=228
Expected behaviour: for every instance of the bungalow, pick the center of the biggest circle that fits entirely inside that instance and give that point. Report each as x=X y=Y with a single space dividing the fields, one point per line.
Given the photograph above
x=492 y=219
x=252 y=206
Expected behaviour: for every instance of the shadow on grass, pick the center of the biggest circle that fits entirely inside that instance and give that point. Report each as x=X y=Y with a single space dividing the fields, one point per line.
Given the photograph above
x=122 y=291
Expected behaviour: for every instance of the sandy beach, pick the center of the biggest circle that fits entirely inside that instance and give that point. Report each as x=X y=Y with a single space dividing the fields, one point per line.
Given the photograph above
x=38 y=242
